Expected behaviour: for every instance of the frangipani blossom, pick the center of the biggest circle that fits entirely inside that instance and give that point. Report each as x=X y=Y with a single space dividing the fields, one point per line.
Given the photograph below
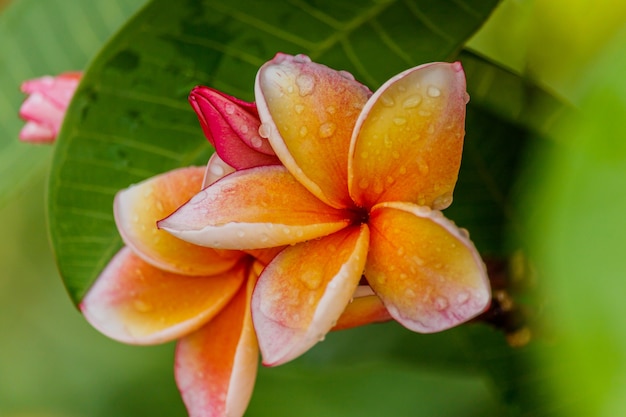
x=363 y=180
x=159 y=288
x=44 y=108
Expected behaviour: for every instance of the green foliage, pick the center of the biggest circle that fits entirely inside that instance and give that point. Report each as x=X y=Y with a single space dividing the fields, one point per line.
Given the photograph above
x=39 y=38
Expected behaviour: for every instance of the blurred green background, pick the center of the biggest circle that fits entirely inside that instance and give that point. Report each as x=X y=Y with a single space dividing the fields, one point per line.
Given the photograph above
x=572 y=196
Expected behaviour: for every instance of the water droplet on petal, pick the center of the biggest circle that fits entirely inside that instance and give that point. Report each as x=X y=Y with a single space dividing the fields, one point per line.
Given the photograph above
x=412 y=101
x=462 y=297
x=198 y=198
x=441 y=303
x=311 y=279
x=443 y=201
x=305 y=83
x=241 y=233
x=363 y=183
x=244 y=129
x=265 y=130
x=387 y=101
x=364 y=154
x=422 y=166
x=400 y=251
x=327 y=129
x=346 y=75
x=142 y=306
x=433 y=91
x=409 y=293
x=466 y=97
x=301 y=59
x=299 y=108
x=159 y=205
x=303 y=131
x=399 y=121
x=418 y=261
x=395 y=155
x=229 y=108
x=257 y=142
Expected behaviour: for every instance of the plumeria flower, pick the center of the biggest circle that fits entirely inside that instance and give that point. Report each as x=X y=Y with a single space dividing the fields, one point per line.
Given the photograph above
x=44 y=108
x=359 y=193
x=159 y=288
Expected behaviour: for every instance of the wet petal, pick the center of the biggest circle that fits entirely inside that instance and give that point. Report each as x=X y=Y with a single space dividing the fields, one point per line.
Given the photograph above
x=408 y=140
x=216 y=366
x=303 y=291
x=426 y=270
x=216 y=168
x=308 y=112
x=254 y=208
x=136 y=303
x=365 y=308
x=232 y=126
x=139 y=207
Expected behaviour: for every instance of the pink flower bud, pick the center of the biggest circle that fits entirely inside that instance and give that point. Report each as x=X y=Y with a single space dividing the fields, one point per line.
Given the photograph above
x=44 y=108
x=232 y=127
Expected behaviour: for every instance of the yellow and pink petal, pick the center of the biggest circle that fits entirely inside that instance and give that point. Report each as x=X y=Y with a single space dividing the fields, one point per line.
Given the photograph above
x=216 y=366
x=134 y=302
x=364 y=308
x=255 y=208
x=308 y=112
x=425 y=269
x=137 y=210
x=303 y=291
x=408 y=140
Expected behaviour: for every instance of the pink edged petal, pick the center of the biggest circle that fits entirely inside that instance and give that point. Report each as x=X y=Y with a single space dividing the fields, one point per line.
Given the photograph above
x=408 y=141
x=425 y=269
x=216 y=366
x=58 y=90
x=33 y=132
x=139 y=207
x=216 y=168
x=134 y=302
x=303 y=291
x=365 y=308
x=232 y=126
x=255 y=208
x=39 y=109
x=308 y=112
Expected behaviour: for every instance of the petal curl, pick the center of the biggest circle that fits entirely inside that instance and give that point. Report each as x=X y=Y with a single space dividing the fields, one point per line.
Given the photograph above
x=216 y=168
x=232 y=126
x=303 y=291
x=425 y=269
x=139 y=207
x=254 y=208
x=408 y=141
x=308 y=112
x=216 y=366
x=365 y=308
x=136 y=303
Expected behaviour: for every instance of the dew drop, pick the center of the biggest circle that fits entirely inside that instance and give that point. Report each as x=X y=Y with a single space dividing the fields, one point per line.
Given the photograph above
x=311 y=279
x=136 y=218
x=229 y=108
x=244 y=129
x=301 y=59
x=387 y=101
x=256 y=142
x=381 y=279
x=363 y=183
x=327 y=129
x=159 y=205
x=433 y=91
x=390 y=179
x=299 y=108
x=347 y=75
x=305 y=83
x=412 y=101
x=466 y=97
x=443 y=201
x=422 y=166
x=400 y=251
x=402 y=170
x=418 y=261
x=198 y=198
x=241 y=233
x=290 y=89
x=364 y=154
x=441 y=303
x=399 y=121
x=303 y=131
x=265 y=130
x=403 y=276
x=409 y=293
x=395 y=155
x=462 y=297
x=431 y=129
x=141 y=306
x=331 y=109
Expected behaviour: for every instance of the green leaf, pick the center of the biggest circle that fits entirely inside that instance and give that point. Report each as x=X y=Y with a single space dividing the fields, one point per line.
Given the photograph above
x=130 y=119
x=39 y=38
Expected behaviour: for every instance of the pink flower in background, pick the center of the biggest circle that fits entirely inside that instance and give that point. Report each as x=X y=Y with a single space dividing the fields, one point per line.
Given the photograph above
x=44 y=108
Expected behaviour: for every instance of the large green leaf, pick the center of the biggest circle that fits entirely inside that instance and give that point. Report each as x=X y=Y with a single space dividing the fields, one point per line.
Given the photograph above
x=130 y=119
x=39 y=38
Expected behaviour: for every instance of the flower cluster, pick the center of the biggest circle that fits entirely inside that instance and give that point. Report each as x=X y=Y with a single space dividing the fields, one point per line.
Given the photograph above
x=319 y=211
